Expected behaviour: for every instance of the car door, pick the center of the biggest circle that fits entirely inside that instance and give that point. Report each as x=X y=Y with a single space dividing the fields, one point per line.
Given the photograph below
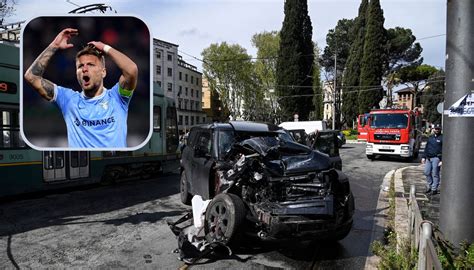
x=201 y=163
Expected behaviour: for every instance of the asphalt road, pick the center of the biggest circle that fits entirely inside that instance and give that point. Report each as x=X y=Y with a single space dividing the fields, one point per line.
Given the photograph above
x=124 y=226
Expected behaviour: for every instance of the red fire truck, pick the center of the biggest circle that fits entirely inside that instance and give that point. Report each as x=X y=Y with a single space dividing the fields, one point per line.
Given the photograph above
x=395 y=132
x=362 y=126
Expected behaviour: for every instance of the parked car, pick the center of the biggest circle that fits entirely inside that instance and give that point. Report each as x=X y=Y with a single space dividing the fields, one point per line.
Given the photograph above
x=263 y=182
x=341 y=139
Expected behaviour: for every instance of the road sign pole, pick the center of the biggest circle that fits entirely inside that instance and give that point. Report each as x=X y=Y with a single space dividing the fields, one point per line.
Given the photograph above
x=457 y=185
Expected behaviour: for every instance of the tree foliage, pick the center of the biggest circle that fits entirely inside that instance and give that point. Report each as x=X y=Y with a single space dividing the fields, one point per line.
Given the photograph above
x=229 y=71
x=295 y=61
x=352 y=71
x=339 y=41
x=318 y=112
x=7 y=8
x=373 y=60
x=416 y=77
x=402 y=49
x=267 y=44
x=432 y=96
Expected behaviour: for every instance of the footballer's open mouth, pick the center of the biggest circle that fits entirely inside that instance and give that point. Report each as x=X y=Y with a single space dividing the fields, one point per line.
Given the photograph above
x=86 y=79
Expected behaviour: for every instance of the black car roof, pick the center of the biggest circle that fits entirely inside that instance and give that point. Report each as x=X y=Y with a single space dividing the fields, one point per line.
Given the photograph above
x=254 y=127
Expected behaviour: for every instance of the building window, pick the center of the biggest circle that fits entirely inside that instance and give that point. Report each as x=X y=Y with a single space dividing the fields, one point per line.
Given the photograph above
x=170 y=57
x=191 y=103
x=204 y=119
x=180 y=76
x=186 y=120
x=192 y=120
x=158 y=70
x=170 y=72
x=186 y=91
x=197 y=93
x=159 y=83
x=158 y=54
x=197 y=105
x=186 y=77
x=192 y=79
x=170 y=87
x=192 y=92
x=180 y=121
x=180 y=91
x=197 y=81
x=179 y=104
x=185 y=104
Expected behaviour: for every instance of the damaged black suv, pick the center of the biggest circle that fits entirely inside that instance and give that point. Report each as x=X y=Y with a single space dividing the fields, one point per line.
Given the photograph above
x=262 y=182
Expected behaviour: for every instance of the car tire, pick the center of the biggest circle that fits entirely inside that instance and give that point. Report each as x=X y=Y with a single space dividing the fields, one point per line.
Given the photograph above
x=371 y=157
x=225 y=216
x=183 y=188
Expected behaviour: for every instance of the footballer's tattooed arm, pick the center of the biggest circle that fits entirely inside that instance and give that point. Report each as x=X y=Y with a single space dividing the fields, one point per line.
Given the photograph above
x=34 y=74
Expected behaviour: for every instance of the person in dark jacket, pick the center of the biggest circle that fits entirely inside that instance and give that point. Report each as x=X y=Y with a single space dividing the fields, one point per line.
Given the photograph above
x=432 y=159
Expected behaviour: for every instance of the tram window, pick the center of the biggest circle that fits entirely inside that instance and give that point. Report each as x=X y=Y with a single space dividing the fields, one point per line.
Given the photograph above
x=10 y=129
x=48 y=160
x=82 y=159
x=74 y=159
x=59 y=160
x=157 y=118
x=171 y=130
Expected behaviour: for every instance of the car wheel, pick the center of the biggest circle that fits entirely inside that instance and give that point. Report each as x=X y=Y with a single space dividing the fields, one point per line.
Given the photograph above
x=371 y=157
x=184 y=191
x=225 y=217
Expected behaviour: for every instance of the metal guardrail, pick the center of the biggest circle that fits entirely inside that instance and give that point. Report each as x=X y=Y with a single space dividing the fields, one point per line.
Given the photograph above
x=420 y=235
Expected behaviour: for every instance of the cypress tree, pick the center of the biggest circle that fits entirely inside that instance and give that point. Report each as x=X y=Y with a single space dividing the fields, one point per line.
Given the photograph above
x=350 y=81
x=295 y=61
x=372 y=69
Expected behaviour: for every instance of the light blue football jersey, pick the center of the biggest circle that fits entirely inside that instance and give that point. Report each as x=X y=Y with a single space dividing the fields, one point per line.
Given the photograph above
x=97 y=122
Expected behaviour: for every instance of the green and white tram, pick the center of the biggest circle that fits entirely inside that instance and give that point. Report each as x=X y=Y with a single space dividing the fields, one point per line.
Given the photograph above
x=25 y=170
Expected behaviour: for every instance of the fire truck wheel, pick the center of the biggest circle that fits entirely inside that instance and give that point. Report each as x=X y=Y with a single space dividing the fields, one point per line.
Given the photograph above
x=371 y=157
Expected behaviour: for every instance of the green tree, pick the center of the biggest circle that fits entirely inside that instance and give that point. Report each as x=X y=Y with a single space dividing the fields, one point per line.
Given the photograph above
x=317 y=114
x=352 y=71
x=229 y=71
x=373 y=60
x=416 y=77
x=338 y=40
x=402 y=52
x=432 y=96
x=267 y=44
x=295 y=61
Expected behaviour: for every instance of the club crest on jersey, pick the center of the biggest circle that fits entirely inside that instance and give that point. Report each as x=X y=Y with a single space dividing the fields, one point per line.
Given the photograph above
x=104 y=105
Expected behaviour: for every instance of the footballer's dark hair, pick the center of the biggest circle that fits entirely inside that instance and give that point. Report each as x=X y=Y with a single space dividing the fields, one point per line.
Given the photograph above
x=90 y=49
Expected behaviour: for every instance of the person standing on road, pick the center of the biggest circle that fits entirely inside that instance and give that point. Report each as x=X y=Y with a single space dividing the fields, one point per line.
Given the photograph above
x=432 y=160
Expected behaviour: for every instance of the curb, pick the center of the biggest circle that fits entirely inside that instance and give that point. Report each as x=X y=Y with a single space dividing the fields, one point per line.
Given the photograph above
x=401 y=212
x=380 y=220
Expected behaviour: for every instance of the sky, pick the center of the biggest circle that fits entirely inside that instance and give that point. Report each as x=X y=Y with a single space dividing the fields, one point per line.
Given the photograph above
x=195 y=24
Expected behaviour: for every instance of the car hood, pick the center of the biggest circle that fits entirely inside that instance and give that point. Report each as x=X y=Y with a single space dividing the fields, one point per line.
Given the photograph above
x=287 y=158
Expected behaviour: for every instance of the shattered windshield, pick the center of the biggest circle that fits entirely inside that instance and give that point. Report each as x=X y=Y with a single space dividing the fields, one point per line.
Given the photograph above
x=389 y=120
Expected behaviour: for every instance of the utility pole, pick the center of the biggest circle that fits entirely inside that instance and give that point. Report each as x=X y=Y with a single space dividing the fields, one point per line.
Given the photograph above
x=457 y=187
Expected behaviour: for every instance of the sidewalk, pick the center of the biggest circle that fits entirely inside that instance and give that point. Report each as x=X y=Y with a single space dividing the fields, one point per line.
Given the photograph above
x=429 y=204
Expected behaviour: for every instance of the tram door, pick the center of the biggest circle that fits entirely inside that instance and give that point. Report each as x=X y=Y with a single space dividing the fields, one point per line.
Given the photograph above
x=78 y=164
x=61 y=165
x=54 y=166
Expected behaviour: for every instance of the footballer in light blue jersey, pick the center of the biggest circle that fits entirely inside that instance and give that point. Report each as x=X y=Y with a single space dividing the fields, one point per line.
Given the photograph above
x=96 y=122
x=95 y=117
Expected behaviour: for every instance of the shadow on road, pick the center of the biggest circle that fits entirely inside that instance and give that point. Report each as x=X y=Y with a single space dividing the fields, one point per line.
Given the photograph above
x=63 y=209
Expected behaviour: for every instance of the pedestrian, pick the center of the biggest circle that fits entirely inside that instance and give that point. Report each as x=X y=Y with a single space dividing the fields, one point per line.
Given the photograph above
x=432 y=159
x=97 y=116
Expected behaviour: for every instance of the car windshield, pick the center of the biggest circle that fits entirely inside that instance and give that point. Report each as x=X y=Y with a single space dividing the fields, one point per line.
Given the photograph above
x=389 y=120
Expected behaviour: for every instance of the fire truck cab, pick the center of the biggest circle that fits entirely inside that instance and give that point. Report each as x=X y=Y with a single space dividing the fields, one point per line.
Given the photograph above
x=395 y=132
